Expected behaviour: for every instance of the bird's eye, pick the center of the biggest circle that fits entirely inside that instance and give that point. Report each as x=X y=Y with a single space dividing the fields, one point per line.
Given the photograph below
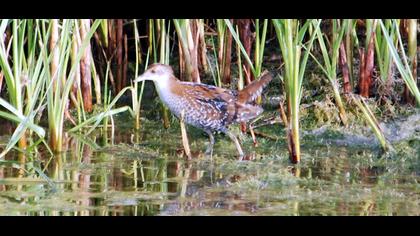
x=153 y=71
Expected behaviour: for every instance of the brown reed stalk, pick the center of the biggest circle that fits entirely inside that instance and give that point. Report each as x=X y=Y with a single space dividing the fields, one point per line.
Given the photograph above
x=345 y=69
x=85 y=68
x=367 y=64
x=119 y=42
x=245 y=36
x=185 y=137
x=412 y=56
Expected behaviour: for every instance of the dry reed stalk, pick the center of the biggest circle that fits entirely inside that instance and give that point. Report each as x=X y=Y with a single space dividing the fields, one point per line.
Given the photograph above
x=345 y=69
x=245 y=35
x=185 y=137
x=367 y=64
x=202 y=48
x=85 y=68
x=125 y=63
x=119 y=42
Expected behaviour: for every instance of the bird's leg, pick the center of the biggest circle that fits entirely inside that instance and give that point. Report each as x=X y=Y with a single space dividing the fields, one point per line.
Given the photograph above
x=235 y=140
x=209 y=150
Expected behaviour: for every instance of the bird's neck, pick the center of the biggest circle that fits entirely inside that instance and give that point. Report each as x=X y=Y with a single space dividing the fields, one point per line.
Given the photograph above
x=168 y=87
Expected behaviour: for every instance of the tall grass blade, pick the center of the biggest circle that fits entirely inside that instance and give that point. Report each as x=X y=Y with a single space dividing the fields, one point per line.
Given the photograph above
x=401 y=64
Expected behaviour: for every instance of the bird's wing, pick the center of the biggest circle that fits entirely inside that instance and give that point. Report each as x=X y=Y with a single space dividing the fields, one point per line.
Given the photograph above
x=253 y=90
x=218 y=103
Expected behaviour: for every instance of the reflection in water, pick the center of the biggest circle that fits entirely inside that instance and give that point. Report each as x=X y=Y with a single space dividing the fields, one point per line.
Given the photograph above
x=123 y=180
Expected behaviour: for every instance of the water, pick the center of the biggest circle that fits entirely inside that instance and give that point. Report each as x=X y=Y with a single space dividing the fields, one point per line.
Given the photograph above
x=145 y=173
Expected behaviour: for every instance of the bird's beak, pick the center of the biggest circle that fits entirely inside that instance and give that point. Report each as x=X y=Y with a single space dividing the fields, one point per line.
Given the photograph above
x=145 y=76
x=140 y=78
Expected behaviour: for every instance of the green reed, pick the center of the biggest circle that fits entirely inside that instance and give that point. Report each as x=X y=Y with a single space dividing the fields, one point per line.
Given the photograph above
x=383 y=55
x=290 y=36
x=24 y=75
x=401 y=62
x=330 y=58
x=136 y=97
x=189 y=45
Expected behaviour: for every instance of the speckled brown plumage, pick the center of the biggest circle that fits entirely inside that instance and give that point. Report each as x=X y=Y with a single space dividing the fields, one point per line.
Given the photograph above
x=207 y=107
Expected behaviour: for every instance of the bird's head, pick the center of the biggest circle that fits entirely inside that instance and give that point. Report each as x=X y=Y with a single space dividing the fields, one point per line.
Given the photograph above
x=158 y=73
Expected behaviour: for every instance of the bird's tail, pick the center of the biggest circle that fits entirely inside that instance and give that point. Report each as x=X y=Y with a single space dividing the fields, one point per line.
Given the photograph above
x=252 y=91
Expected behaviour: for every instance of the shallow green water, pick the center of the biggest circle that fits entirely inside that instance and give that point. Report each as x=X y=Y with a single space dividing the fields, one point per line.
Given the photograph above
x=145 y=173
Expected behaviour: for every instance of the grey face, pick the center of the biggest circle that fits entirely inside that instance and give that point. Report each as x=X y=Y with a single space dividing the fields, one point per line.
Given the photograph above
x=156 y=72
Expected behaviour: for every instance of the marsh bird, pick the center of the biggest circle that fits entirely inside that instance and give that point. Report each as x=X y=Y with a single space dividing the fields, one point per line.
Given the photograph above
x=206 y=107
